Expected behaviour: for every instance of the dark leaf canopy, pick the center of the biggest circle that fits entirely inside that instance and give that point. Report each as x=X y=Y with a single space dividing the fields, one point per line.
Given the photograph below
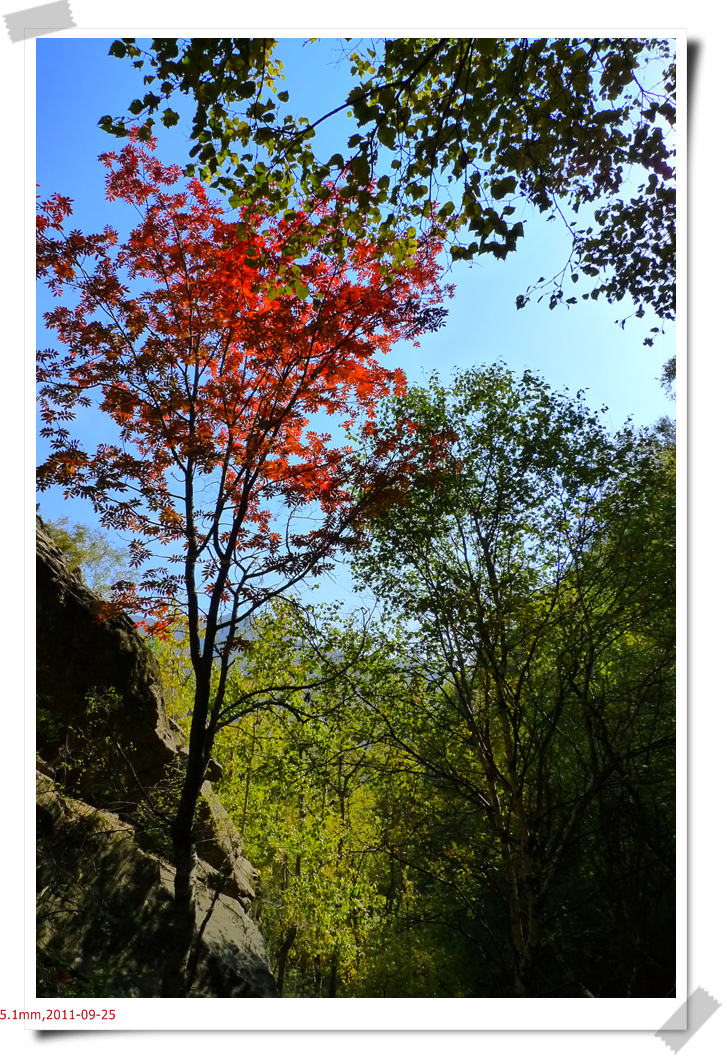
x=489 y=127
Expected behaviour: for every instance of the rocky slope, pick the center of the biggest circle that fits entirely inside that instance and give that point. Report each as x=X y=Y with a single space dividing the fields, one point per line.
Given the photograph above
x=109 y=759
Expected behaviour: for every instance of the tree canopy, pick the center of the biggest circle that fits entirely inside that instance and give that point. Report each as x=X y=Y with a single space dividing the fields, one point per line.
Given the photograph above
x=487 y=126
x=210 y=375
x=481 y=803
x=537 y=581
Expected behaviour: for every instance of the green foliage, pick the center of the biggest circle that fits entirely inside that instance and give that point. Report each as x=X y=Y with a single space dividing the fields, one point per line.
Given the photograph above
x=172 y=654
x=533 y=563
x=474 y=795
x=55 y=980
x=294 y=786
x=91 y=764
x=91 y=552
x=483 y=125
x=48 y=726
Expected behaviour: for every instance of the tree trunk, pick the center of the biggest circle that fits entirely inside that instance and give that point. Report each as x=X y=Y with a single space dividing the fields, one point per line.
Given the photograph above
x=181 y=929
x=183 y=913
x=528 y=942
x=283 y=956
x=333 y=974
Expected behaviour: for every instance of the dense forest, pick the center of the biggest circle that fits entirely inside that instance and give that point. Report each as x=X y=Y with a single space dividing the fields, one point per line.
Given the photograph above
x=468 y=790
x=475 y=796
x=464 y=784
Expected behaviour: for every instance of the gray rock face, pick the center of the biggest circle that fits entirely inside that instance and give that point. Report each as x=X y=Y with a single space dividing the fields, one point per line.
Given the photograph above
x=103 y=907
x=218 y=843
x=104 y=886
x=96 y=679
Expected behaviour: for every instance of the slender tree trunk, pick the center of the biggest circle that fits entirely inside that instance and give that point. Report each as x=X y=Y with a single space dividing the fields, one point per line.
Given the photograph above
x=283 y=956
x=181 y=929
x=333 y=974
x=317 y=977
x=183 y=918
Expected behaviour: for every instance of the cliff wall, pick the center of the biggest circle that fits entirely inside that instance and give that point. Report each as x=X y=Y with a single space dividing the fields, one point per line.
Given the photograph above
x=109 y=761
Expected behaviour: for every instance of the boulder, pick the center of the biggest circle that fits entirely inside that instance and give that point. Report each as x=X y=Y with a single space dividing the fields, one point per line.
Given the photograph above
x=97 y=682
x=218 y=843
x=103 y=911
x=109 y=760
x=214 y=769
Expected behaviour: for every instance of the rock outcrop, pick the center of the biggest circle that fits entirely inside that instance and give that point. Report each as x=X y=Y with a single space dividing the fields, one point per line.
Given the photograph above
x=106 y=750
x=95 y=678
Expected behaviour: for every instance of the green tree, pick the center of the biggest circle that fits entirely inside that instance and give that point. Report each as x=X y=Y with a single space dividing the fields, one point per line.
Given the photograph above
x=533 y=560
x=486 y=125
x=298 y=784
x=90 y=551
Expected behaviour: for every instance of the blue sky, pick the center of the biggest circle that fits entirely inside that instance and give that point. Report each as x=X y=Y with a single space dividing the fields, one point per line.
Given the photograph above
x=578 y=348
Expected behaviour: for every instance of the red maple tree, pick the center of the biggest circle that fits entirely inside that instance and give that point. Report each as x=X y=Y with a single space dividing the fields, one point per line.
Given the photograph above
x=211 y=342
